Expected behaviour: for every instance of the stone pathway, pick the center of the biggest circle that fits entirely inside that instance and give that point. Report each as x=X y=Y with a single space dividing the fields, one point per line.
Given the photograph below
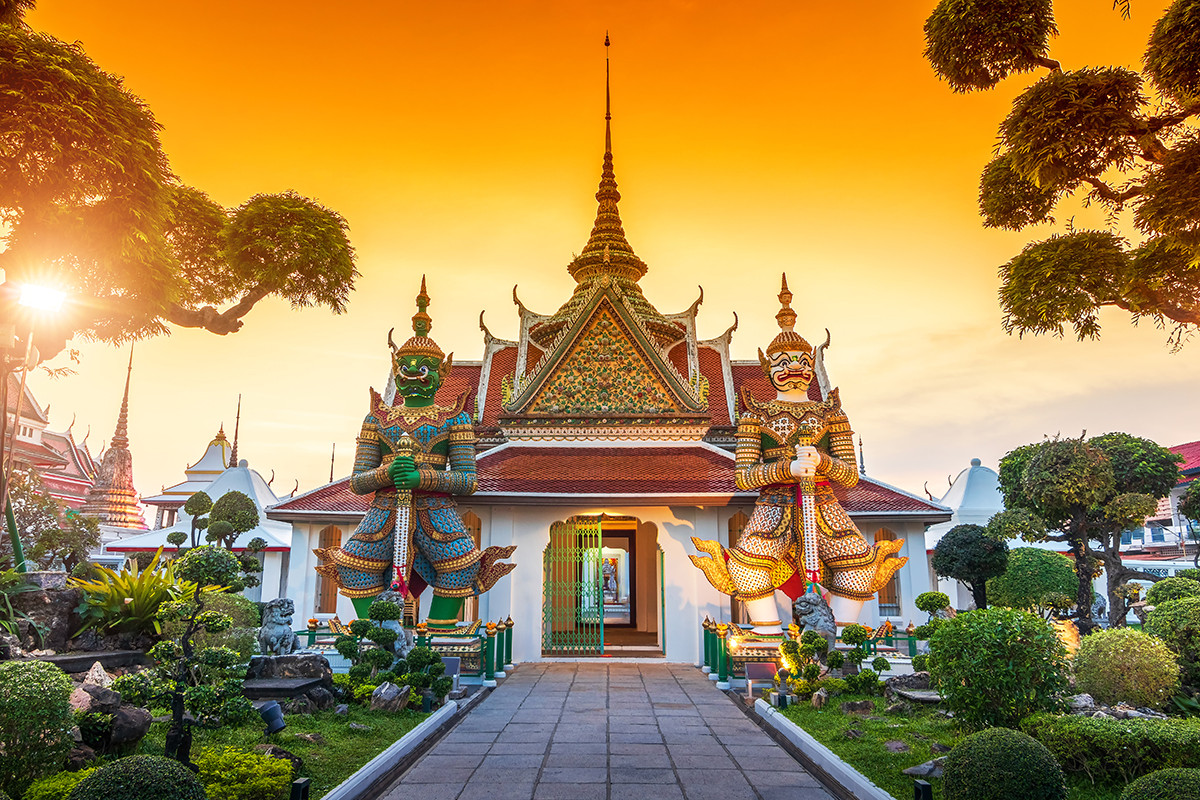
x=595 y=731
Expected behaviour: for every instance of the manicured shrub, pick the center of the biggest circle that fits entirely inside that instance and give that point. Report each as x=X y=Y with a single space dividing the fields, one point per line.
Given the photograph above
x=232 y=774
x=1169 y=589
x=55 y=787
x=1165 y=784
x=880 y=664
x=1124 y=664
x=381 y=610
x=1192 y=574
x=140 y=778
x=932 y=602
x=920 y=662
x=1000 y=764
x=996 y=666
x=35 y=722
x=1032 y=577
x=866 y=681
x=1177 y=622
x=1116 y=751
x=208 y=566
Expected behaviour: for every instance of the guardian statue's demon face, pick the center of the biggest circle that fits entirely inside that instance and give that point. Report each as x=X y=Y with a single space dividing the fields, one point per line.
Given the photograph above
x=417 y=376
x=791 y=370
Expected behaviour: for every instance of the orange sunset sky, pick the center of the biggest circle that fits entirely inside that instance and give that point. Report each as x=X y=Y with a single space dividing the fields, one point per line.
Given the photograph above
x=463 y=140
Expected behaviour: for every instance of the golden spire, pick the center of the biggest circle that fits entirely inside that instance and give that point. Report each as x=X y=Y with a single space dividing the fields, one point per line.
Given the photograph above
x=237 y=424
x=787 y=338
x=420 y=344
x=121 y=435
x=112 y=499
x=607 y=232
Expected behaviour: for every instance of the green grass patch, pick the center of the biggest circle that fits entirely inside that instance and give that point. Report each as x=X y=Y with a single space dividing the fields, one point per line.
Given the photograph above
x=919 y=729
x=343 y=752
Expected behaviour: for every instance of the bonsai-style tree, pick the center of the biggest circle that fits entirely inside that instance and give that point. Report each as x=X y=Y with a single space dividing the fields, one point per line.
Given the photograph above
x=1035 y=579
x=969 y=555
x=1113 y=136
x=233 y=514
x=89 y=201
x=1079 y=492
x=196 y=506
x=56 y=537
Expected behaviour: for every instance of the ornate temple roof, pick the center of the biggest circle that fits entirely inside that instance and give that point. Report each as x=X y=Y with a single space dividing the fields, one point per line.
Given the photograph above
x=198 y=476
x=112 y=499
x=1189 y=470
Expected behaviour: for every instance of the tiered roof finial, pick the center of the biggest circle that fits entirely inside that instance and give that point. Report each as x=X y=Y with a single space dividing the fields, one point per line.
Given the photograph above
x=237 y=423
x=607 y=232
x=787 y=339
x=121 y=435
x=112 y=499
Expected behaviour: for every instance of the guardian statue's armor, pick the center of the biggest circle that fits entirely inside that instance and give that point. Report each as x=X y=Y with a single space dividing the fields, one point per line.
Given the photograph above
x=793 y=450
x=415 y=456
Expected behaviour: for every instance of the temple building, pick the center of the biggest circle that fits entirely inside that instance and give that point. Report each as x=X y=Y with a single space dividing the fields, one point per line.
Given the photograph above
x=112 y=500
x=65 y=466
x=605 y=443
x=197 y=478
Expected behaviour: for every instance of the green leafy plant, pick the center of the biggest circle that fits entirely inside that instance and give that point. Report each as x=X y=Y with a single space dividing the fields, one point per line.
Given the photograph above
x=996 y=666
x=865 y=681
x=1177 y=622
x=35 y=721
x=128 y=601
x=231 y=774
x=55 y=787
x=920 y=662
x=140 y=778
x=1121 y=664
x=969 y=555
x=881 y=664
x=1174 y=588
x=1165 y=784
x=1000 y=763
x=932 y=602
x=1116 y=751
x=1034 y=580
x=383 y=610
x=95 y=727
x=13 y=583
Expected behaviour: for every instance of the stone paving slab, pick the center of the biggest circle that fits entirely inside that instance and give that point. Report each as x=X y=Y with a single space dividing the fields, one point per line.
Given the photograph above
x=597 y=731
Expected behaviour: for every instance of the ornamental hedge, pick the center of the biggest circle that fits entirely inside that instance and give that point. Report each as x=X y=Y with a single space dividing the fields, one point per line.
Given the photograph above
x=35 y=722
x=1166 y=784
x=140 y=778
x=1116 y=751
x=1177 y=622
x=1125 y=664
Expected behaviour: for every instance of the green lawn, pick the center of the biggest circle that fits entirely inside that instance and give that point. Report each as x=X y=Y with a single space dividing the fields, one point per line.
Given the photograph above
x=919 y=730
x=343 y=752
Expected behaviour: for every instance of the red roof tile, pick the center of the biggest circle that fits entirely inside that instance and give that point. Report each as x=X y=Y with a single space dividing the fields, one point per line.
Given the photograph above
x=675 y=470
x=332 y=498
x=678 y=358
x=463 y=378
x=504 y=363
x=1190 y=467
x=718 y=403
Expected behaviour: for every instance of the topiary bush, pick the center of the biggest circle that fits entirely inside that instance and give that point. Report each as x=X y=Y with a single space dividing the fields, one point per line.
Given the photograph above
x=1177 y=622
x=1116 y=751
x=1000 y=764
x=1033 y=577
x=1192 y=574
x=140 y=778
x=1123 y=664
x=232 y=774
x=1165 y=784
x=932 y=602
x=1169 y=589
x=35 y=722
x=920 y=662
x=996 y=666
x=55 y=787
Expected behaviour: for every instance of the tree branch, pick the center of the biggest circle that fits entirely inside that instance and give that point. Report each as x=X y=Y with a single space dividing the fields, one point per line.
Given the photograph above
x=1110 y=194
x=1048 y=63
x=210 y=319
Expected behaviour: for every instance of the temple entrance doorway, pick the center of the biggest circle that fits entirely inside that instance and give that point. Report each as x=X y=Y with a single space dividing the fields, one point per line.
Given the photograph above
x=602 y=588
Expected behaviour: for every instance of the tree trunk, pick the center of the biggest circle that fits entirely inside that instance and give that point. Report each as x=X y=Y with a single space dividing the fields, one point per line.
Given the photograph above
x=1083 y=570
x=978 y=594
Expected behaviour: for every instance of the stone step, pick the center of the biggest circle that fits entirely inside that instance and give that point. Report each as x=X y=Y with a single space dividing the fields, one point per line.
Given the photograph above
x=278 y=688
x=109 y=659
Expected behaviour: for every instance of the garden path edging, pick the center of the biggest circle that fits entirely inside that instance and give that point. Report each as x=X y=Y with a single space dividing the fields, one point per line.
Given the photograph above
x=378 y=767
x=853 y=781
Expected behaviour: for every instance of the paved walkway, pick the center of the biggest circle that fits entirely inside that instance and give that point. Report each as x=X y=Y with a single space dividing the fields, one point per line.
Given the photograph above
x=595 y=731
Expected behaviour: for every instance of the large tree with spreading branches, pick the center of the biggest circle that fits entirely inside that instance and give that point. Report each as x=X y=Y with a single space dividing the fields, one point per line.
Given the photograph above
x=1116 y=137
x=88 y=203
x=1085 y=493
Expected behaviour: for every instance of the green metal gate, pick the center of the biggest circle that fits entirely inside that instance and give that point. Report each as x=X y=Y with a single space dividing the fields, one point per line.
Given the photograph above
x=573 y=601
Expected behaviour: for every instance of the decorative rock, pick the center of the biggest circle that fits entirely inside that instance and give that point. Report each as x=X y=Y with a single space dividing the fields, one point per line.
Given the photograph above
x=342 y=709
x=130 y=724
x=52 y=612
x=10 y=647
x=321 y=698
x=930 y=769
x=917 y=696
x=858 y=707
x=47 y=579
x=938 y=747
x=90 y=698
x=1081 y=703
x=916 y=681
x=820 y=698
x=97 y=676
x=275 y=751
x=355 y=726
x=312 y=738
x=898 y=708
x=299 y=705
x=896 y=746
x=853 y=734
x=80 y=757
x=297 y=665
x=390 y=697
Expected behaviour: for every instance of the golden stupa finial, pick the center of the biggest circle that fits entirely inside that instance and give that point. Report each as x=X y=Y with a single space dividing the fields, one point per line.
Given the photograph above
x=420 y=344
x=787 y=338
x=786 y=316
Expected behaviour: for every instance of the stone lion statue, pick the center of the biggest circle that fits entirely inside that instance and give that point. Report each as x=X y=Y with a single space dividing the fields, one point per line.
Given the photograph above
x=812 y=613
x=275 y=637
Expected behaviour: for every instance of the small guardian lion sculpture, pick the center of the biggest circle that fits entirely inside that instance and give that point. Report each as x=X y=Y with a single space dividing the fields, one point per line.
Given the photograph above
x=275 y=637
x=812 y=613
